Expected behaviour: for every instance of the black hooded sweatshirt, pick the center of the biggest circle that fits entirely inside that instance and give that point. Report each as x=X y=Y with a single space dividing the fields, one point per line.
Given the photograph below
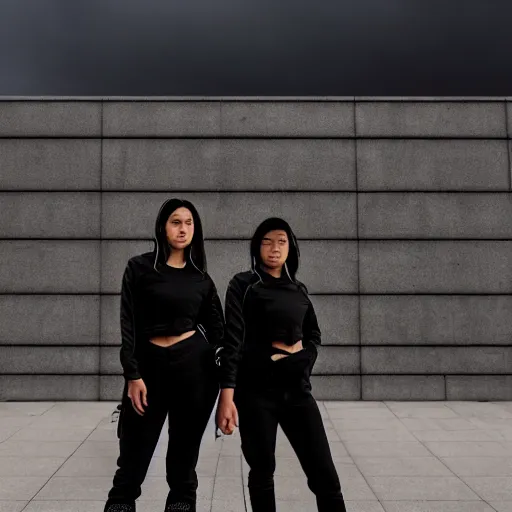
x=261 y=309
x=160 y=300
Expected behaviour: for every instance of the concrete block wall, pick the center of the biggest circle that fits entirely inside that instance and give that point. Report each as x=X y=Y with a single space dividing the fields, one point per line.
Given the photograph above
x=403 y=209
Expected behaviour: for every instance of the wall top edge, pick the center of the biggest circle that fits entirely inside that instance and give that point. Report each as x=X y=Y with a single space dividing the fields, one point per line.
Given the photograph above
x=290 y=99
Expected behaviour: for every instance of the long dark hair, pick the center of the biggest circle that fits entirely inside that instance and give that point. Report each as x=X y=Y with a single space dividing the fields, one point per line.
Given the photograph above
x=194 y=252
x=271 y=224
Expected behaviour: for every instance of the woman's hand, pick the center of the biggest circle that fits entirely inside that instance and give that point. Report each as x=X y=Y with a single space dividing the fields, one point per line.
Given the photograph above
x=227 y=415
x=137 y=393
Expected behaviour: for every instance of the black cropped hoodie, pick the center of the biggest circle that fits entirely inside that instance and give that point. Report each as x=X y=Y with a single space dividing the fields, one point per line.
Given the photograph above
x=260 y=308
x=159 y=300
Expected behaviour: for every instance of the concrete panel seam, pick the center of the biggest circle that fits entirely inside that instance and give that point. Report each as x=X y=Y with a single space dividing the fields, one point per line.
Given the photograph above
x=358 y=254
x=192 y=99
x=225 y=137
x=263 y=99
x=431 y=137
x=509 y=146
x=221 y=126
x=255 y=137
x=428 y=345
x=50 y=374
x=254 y=191
x=412 y=374
x=326 y=294
x=102 y=125
x=265 y=137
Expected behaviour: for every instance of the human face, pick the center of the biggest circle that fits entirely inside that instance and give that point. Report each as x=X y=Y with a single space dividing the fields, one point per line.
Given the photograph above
x=274 y=248
x=180 y=228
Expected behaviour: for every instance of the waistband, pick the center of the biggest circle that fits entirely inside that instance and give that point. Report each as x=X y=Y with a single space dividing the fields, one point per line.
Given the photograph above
x=292 y=371
x=179 y=349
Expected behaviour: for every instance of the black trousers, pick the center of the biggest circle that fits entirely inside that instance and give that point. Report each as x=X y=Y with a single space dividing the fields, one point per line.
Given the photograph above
x=281 y=396
x=181 y=385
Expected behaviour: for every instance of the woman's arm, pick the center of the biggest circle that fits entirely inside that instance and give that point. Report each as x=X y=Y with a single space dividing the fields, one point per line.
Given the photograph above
x=128 y=337
x=211 y=316
x=228 y=357
x=229 y=353
x=311 y=333
x=310 y=329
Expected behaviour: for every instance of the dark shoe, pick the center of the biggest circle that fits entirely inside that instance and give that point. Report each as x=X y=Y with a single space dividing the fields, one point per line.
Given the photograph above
x=180 y=506
x=175 y=502
x=119 y=507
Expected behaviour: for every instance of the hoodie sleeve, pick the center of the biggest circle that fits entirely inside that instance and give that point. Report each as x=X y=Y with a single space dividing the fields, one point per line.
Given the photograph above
x=211 y=316
x=128 y=337
x=228 y=355
x=310 y=330
x=311 y=333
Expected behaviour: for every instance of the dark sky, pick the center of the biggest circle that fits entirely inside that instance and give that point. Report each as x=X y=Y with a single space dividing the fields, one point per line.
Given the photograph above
x=256 y=47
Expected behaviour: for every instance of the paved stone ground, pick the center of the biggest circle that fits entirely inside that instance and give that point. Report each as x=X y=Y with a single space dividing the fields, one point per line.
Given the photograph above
x=391 y=456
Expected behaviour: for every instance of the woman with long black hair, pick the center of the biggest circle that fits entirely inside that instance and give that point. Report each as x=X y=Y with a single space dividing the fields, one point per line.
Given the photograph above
x=171 y=323
x=265 y=365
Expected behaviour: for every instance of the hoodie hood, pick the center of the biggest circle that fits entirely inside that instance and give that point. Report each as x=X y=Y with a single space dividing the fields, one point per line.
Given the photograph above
x=194 y=253
x=271 y=224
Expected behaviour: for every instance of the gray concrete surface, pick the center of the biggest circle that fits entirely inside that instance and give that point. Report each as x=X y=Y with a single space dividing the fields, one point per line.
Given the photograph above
x=430 y=119
x=50 y=119
x=229 y=118
x=402 y=208
x=432 y=165
x=228 y=164
x=390 y=456
x=50 y=164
